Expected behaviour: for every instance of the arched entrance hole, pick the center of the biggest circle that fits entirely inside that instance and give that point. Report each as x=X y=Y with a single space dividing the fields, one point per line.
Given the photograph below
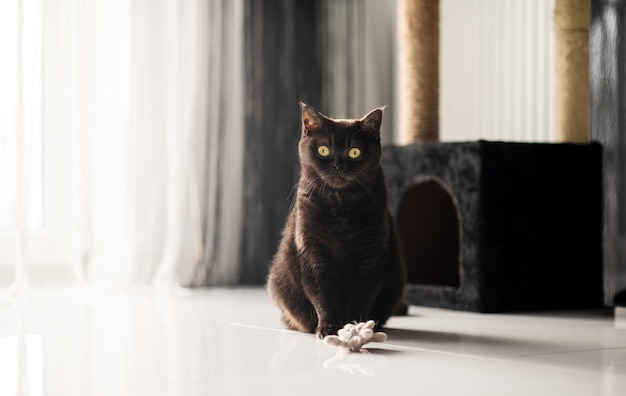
x=428 y=230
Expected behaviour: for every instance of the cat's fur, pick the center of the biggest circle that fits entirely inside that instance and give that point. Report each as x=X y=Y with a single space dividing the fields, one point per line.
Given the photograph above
x=338 y=260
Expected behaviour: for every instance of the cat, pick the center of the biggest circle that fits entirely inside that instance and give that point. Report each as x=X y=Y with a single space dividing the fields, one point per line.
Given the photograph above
x=338 y=260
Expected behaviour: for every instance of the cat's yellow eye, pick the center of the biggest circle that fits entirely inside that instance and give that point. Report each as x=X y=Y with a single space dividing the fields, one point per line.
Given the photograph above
x=323 y=151
x=354 y=153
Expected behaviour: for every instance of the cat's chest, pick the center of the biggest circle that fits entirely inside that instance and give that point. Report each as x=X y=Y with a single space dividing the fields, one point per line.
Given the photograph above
x=340 y=209
x=340 y=219
x=347 y=240
x=339 y=216
x=342 y=226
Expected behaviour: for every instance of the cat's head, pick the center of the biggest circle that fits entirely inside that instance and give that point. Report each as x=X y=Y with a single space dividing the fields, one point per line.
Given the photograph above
x=340 y=153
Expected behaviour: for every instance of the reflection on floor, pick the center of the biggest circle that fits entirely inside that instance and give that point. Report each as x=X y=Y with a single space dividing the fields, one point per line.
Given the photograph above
x=231 y=342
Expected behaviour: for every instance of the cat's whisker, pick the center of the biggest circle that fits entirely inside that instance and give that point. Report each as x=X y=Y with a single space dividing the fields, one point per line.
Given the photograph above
x=312 y=187
x=364 y=186
x=293 y=195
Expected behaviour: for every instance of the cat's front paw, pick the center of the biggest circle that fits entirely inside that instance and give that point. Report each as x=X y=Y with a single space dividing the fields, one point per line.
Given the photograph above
x=324 y=330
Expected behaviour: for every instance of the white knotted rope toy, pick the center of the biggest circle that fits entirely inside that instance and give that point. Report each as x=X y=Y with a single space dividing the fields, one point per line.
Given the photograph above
x=354 y=335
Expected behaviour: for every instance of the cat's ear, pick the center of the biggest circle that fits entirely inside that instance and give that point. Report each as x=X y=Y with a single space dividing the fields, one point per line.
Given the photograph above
x=312 y=120
x=372 y=121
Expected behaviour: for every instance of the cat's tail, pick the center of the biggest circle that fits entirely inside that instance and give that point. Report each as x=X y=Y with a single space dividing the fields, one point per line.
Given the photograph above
x=402 y=309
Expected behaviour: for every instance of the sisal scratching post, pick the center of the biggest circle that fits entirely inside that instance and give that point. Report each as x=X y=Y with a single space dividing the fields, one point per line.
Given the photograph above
x=418 y=35
x=571 y=32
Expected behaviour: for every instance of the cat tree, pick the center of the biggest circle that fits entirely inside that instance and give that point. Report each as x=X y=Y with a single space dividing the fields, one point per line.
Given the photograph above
x=418 y=32
x=571 y=31
x=493 y=226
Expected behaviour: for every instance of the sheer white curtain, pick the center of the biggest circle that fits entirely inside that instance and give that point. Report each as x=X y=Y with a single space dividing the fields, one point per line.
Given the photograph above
x=137 y=113
x=146 y=152
x=21 y=155
x=152 y=133
x=224 y=190
x=143 y=109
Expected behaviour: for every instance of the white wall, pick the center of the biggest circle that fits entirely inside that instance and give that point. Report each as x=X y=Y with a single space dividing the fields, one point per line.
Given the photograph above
x=497 y=70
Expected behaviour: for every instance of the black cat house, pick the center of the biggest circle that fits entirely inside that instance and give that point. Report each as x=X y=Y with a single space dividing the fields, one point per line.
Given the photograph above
x=495 y=227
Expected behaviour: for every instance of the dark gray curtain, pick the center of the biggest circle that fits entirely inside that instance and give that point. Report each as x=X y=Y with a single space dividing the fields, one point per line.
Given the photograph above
x=283 y=65
x=359 y=59
x=607 y=80
x=264 y=57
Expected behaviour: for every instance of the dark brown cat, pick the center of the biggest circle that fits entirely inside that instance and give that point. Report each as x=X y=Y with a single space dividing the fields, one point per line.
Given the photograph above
x=338 y=260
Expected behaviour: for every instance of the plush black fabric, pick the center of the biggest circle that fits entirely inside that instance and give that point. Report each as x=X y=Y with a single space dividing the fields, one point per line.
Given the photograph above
x=620 y=299
x=530 y=222
x=283 y=66
x=457 y=166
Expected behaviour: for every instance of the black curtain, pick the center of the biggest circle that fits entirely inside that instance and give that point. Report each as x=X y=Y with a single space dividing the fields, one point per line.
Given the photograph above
x=283 y=65
x=607 y=78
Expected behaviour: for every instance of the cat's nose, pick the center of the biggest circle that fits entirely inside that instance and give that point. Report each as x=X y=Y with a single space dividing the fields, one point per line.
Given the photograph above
x=337 y=165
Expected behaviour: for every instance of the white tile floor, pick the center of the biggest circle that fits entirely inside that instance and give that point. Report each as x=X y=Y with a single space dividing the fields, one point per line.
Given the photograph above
x=231 y=342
